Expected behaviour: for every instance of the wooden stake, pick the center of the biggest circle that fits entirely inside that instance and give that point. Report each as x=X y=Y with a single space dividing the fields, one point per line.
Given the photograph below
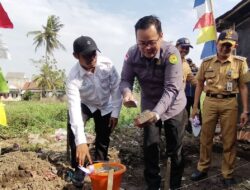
x=167 y=174
x=110 y=179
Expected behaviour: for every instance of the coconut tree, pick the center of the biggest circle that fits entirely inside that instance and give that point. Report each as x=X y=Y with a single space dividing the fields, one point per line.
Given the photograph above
x=49 y=78
x=48 y=36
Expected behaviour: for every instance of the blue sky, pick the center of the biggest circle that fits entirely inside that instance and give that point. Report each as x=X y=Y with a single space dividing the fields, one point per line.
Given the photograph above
x=109 y=22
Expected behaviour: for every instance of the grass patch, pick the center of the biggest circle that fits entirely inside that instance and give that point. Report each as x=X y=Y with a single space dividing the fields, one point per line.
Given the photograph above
x=38 y=117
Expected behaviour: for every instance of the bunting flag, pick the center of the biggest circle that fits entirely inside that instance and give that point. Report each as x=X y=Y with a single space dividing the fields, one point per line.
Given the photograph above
x=4 y=51
x=5 y=22
x=3 y=119
x=4 y=88
x=207 y=27
x=4 y=19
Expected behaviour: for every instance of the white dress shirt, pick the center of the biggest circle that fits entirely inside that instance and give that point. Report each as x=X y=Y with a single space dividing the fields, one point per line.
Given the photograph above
x=98 y=90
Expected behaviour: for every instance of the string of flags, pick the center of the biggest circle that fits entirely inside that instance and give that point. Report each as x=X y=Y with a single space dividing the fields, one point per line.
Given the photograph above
x=5 y=22
x=207 y=27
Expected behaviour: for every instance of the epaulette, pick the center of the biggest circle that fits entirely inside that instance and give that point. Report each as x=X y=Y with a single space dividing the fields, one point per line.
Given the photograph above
x=240 y=58
x=208 y=58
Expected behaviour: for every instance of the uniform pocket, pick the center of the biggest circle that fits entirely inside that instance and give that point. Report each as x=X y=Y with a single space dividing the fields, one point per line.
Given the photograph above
x=210 y=74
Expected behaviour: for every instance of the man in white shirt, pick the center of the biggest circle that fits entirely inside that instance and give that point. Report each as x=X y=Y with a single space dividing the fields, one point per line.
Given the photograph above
x=93 y=92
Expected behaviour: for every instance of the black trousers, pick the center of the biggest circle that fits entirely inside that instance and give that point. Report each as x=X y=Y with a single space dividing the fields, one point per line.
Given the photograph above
x=174 y=131
x=102 y=140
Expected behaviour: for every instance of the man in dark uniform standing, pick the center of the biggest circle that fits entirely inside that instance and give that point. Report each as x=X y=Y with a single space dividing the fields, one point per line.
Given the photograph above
x=225 y=77
x=158 y=68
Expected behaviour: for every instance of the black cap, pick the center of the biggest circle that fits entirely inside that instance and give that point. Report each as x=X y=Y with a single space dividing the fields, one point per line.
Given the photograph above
x=84 y=45
x=184 y=42
x=228 y=36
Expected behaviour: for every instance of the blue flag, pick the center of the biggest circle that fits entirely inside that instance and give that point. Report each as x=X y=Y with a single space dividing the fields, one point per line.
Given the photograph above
x=209 y=49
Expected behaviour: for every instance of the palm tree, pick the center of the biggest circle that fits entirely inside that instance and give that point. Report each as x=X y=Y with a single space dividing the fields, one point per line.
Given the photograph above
x=50 y=77
x=48 y=36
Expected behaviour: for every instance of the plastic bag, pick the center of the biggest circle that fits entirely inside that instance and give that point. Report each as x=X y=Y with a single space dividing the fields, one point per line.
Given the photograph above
x=196 y=125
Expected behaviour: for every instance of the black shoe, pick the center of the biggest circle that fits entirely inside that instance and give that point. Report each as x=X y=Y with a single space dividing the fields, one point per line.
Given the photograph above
x=78 y=178
x=197 y=175
x=229 y=182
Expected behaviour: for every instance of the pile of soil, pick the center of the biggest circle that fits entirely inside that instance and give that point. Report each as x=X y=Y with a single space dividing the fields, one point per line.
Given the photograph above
x=24 y=170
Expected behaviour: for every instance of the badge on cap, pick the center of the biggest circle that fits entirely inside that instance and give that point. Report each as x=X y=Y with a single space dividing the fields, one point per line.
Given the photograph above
x=229 y=34
x=173 y=59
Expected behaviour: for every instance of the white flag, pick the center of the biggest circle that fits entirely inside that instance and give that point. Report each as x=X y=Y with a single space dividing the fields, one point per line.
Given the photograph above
x=4 y=51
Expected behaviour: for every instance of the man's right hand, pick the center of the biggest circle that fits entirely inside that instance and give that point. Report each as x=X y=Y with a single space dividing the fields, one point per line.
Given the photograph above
x=82 y=151
x=129 y=100
x=195 y=111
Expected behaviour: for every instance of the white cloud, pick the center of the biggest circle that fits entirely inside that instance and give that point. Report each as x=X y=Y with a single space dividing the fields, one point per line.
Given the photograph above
x=111 y=32
x=111 y=27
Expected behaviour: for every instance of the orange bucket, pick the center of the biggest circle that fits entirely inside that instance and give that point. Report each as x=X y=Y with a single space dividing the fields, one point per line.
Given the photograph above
x=99 y=181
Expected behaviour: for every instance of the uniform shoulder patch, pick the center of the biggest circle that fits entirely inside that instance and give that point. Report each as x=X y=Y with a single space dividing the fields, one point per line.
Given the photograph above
x=208 y=58
x=240 y=58
x=173 y=59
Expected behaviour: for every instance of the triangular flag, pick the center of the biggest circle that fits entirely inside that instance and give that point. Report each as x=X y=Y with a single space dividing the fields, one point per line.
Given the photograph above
x=4 y=52
x=3 y=84
x=3 y=119
x=4 y=19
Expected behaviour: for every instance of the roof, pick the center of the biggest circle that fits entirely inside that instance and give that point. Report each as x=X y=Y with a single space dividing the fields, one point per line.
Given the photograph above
x=30 y=86
x=238 y=14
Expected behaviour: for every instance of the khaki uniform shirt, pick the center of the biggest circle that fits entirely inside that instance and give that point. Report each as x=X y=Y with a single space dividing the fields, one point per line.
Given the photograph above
x=223 y=77
x=187 y=74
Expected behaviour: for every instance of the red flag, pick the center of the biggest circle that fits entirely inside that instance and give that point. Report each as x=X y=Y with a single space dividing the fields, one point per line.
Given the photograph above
x=4 y=19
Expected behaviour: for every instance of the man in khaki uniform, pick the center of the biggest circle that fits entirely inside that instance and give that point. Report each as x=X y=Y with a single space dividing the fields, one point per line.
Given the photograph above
x=183 y=45
x=225 y=77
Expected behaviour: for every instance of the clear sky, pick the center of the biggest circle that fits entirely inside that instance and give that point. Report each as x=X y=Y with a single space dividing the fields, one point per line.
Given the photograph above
x=109 y=22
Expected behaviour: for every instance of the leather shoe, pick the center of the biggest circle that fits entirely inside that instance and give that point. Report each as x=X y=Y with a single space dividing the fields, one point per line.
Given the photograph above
x=78 y=178
x=229 y=182
x=197 y=175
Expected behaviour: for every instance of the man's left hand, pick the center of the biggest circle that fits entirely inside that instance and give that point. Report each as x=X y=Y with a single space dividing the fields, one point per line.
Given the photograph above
x=146 y=117
x=243 y=119
x=112 y=123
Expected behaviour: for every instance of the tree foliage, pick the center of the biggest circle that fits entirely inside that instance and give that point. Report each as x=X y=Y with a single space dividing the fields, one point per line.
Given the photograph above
x=50 y=78
x=48 y=36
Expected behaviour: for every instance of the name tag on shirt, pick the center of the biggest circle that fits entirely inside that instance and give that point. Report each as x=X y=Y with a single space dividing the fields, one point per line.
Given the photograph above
x=229 y=86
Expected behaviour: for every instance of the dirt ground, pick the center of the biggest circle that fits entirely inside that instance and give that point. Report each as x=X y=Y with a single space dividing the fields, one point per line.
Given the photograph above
x=45 y=167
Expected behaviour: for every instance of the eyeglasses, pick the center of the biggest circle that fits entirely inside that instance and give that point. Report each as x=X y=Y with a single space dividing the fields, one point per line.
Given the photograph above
x=151 y=43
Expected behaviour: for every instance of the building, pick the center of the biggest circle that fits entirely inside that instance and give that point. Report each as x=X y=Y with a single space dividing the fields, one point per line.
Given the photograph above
x=17 y=79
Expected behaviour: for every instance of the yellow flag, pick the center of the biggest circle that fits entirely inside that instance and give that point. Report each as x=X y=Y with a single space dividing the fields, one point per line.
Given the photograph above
x=206 y=34
x=3 y=120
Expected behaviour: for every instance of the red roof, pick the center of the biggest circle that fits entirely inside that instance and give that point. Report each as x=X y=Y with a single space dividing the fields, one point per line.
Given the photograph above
x=30 y=86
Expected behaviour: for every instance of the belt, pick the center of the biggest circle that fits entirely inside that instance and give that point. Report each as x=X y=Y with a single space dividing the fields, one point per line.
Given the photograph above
x=221 y=96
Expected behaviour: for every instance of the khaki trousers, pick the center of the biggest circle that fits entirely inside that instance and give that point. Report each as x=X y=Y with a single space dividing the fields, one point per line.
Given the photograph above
x=225 y=110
